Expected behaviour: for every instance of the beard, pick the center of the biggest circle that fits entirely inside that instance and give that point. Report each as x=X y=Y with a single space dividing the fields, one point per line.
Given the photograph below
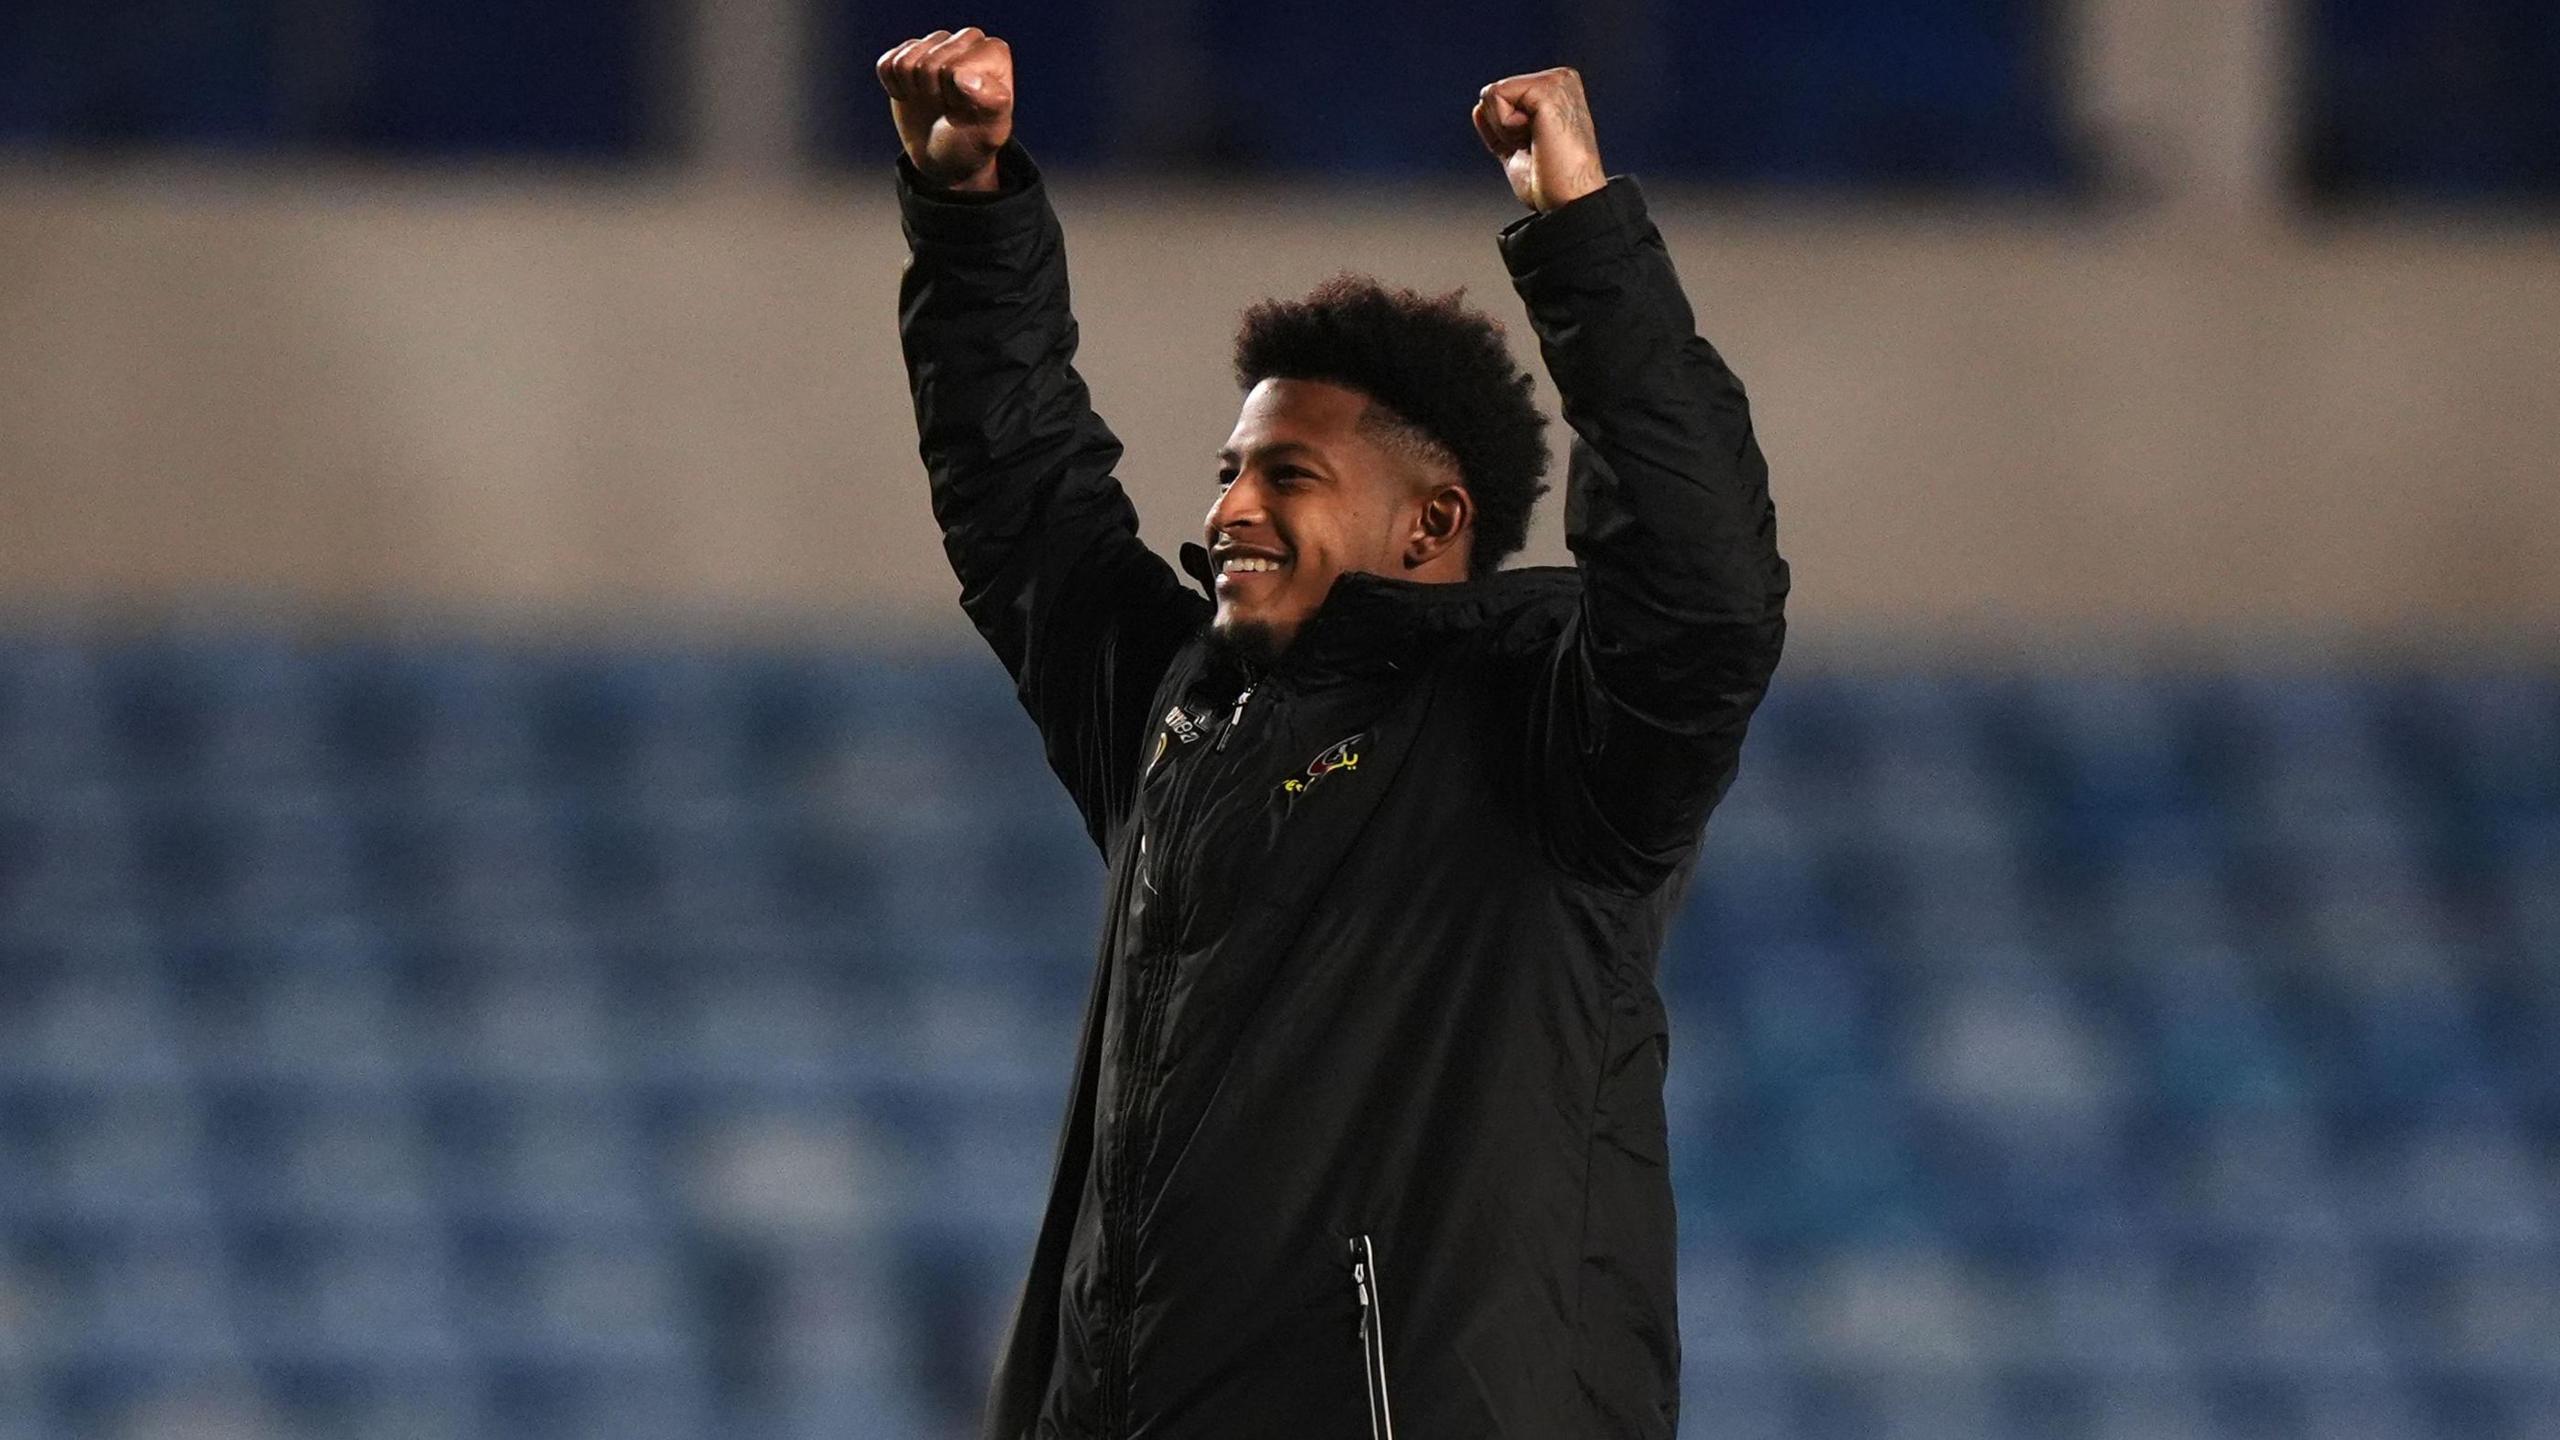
x=1254 y=644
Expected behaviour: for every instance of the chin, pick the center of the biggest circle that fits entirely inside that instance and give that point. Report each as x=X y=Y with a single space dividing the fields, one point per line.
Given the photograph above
x=1255 y=642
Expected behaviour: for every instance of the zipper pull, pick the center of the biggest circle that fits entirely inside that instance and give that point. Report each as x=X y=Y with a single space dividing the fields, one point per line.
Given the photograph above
x=1235 y=718
x=1373 y=1337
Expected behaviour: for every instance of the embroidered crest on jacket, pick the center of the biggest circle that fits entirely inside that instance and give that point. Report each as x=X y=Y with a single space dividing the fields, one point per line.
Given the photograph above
x=1341 y=755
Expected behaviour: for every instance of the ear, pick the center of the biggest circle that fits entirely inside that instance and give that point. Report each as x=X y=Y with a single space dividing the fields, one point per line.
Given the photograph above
x=1442 y=527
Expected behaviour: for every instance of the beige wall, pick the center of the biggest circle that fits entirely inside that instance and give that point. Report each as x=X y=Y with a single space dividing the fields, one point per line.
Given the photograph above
x=615 y=399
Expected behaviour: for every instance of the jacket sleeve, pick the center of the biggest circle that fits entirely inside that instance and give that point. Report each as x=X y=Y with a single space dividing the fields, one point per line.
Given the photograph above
x=1639 y=728
x=1084 y=616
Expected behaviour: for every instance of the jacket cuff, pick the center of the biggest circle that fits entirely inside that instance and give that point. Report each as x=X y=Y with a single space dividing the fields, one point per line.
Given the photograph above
x=935 y=213
x=1611 y=210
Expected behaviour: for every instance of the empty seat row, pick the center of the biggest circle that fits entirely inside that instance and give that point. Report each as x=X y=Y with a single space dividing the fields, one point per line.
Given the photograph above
x=460 y=1038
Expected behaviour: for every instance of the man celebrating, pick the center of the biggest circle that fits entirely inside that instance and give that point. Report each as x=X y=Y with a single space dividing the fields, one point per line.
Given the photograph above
x=1366 y=1125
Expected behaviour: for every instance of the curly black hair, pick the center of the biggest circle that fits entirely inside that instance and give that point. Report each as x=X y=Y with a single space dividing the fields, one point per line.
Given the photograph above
x=1440 y=370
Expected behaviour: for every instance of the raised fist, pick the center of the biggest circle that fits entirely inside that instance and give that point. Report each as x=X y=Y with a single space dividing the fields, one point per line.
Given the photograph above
x=951 y=93
x=1539 y=127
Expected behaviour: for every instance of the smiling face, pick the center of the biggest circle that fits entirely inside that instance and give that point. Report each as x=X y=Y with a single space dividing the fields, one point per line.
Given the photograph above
x=1315 y=483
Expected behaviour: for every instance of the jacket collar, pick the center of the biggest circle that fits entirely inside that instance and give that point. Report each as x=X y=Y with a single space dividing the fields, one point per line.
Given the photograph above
x=1369 y=624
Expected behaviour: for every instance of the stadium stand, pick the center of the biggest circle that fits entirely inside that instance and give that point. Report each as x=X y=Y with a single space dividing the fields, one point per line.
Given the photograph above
x=447 y=1038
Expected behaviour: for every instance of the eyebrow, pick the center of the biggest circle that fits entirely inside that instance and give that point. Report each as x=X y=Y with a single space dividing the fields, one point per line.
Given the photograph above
x=1273 y=451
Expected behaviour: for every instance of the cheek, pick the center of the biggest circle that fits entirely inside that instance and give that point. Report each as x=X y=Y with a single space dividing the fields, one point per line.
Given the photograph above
x=1337 y=532
x=1356 y=539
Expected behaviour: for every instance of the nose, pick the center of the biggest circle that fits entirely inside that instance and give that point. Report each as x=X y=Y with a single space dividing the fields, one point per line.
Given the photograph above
x=1238 y=507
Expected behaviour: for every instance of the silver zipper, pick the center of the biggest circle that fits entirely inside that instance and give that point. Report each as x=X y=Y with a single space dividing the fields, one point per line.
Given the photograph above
x=1373 y=1337
x=1235 y=718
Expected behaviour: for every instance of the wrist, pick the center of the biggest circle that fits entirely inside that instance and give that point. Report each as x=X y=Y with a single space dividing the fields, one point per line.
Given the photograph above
x=1582 y=182
x=985 y=180
x=1604 y=217
x=1015 y=174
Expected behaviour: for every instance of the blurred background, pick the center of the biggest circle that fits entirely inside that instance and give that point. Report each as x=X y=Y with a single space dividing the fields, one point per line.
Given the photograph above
x=524 y=912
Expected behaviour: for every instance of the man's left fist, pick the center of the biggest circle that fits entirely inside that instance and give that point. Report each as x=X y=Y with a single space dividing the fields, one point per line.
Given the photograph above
x=1539 y=127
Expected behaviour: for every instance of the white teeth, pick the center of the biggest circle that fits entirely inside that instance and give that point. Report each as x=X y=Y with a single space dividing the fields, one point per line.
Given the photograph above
x=1250 y=562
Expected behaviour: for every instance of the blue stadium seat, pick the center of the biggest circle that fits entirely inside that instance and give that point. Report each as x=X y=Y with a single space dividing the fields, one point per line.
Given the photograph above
x=785 y=1169
x=620 y=1400
x=1741 y=1403
x=545 y=1158
x=205 y=709
x=629 y=723
x=1886 y=1315
x=528 y=1006
x=2213 y=1040
x=580 y=1298
x=1725 y=1325
x=822 y=1324
x=987 y=1168
x=455 y=720
x=35 y=1315
x=990 y=1037
x=1755 y=886
x=2106 y=1311
x=68 y=856
x=83 y=1005
x=318 y=1156
x=2154 y=1408
x=275 y=853
x=2480 y=1183
x=2309 y=1311
x=713 y=862
x=146 y=1297
x=162 y=1400
x=2497 y=733
x=858 y=1407
x=349 y=1298
x=2114 y=745
x=53 y=715
x=132 y=1156
x=822 y=870
x=793 y=714
x=450 y=1039
x=479 y=855
x=296 y=1004
x=2166 y=885
x=2364 y=1407
x=2265 y=1175
x=725 y=1017
x=405 y=1400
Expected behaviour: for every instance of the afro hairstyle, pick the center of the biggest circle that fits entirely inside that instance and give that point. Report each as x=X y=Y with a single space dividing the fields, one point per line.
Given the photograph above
x=1440 y=370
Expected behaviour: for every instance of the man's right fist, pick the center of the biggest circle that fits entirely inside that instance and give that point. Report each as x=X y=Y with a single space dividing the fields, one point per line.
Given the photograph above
x=951 y=94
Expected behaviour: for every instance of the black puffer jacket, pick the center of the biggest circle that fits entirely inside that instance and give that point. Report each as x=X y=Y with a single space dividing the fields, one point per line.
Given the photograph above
x=1367 y=1113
